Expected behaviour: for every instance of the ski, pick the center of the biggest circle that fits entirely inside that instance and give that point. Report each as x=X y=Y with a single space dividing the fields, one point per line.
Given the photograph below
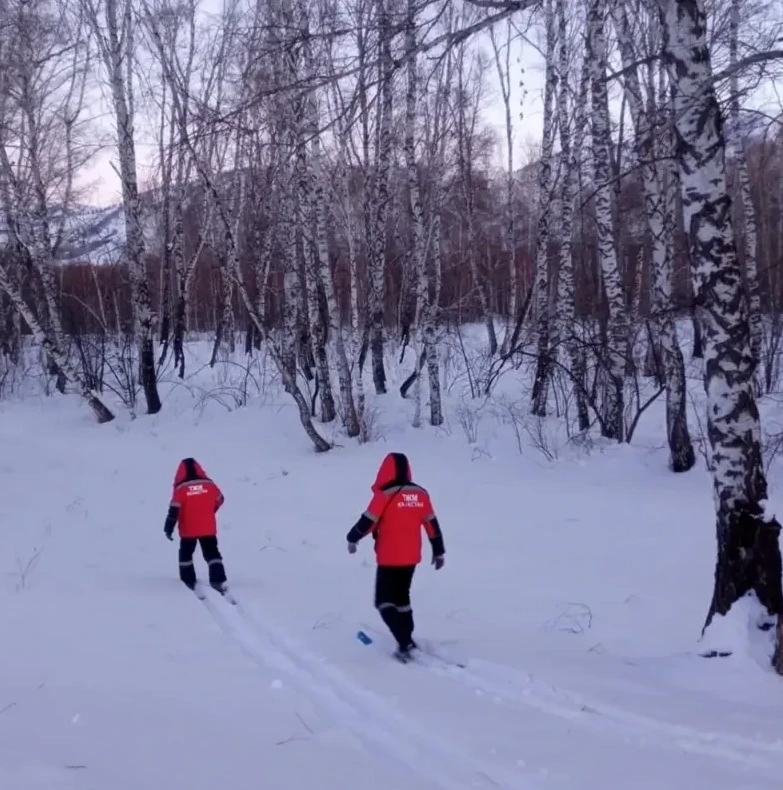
x=200 y=591
x=428 y=653
x=224 y=591
x=421 y=653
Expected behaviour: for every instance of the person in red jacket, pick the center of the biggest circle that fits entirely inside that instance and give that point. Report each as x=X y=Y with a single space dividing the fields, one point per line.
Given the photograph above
x=395 y=517
x=195 y=502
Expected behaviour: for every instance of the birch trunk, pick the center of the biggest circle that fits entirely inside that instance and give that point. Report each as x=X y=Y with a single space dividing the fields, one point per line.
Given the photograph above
x=682 y=452
x=613 y=365
x=41 y=242
x=545 y=203
x=425 y=306
x=183 y=282
x=465 y=164
x=380 y=201
x=117 y=49
x=336 y=324
x=262 y=256
x=284 y=356
x=417 y=252
x=354 y=340
x=430 y=319
x=102 y=413
x=744 y=197
x=436 y=168
x=313 y=286
x=565 y=325
x=748 y=558
x=290 y=328
x=660 y=223
x=225 y=335
x=510 y=231
x=185 y=268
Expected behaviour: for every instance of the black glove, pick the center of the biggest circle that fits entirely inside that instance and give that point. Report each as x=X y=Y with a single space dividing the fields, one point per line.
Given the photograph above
x=438 y=562
x=169 y=533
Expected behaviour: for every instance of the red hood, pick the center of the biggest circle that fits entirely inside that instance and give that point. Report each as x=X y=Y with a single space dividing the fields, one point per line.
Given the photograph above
x=394 y=470
x=189 y=469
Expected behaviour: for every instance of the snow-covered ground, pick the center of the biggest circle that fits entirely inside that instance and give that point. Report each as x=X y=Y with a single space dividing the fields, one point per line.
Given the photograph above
x=574 y=591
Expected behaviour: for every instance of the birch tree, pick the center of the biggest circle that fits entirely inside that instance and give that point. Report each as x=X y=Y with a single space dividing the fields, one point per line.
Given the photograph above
x=93 y=399
x=748 y=550
x=380 y=199
x=467 y=115
x=283 y=352
x=417 y=254
x=571 y=157
x=747 y=212
x=352 y=157
x=325 y=275
x=543 y=294
x=42 y=126
x=423 y=234
x=617 y=332
x=660 y=224
x=114 y=26
x=306 y=210
x=503 y=65
x=179 y=35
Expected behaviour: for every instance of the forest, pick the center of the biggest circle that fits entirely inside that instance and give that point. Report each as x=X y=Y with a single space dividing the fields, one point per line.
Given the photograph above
x=329 y=188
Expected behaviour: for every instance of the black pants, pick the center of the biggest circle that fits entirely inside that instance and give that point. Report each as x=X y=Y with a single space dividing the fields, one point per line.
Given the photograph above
x=209 y=548
x=393 y=600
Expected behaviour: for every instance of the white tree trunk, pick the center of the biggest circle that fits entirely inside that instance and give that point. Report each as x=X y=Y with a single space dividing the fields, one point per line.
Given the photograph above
x=336 y=325
x=660 y=223
x=465 y=134
x=510 y=230
x=416 y=252
x=312 y=275
x=284 y=356
x=543 y=297
x=566 y=325
x=380 y=199
x=117 y=48
x=744 y=197
x=613 y=365
x=102 y=413
x=424 y=318
x=748 y=549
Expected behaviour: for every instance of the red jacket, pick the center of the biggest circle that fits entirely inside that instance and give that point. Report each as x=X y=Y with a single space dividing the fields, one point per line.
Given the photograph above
x=395 y=516
x=194 y=502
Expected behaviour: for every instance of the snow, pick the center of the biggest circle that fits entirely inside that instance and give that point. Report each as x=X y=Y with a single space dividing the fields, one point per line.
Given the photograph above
x=575 y=588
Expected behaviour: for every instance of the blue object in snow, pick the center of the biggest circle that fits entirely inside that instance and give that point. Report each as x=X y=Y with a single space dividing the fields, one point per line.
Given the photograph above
x=363 y=638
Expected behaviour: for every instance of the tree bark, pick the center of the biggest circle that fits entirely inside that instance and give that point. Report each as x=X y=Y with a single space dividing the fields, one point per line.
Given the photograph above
x=117 y=46
x=380 y=200
x=336 y=325
x=660 y=223
x=102 y=412
x=744 y=196
x=613 y=365
x=566 y=325
x=747 y=536
x=544 y=295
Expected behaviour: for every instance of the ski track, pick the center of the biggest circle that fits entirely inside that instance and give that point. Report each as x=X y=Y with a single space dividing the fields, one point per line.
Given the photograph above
x=524 y=690
x=383 y=729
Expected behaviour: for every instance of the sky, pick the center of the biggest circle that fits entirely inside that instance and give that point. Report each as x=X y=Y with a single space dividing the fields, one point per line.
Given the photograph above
x=101 y=186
